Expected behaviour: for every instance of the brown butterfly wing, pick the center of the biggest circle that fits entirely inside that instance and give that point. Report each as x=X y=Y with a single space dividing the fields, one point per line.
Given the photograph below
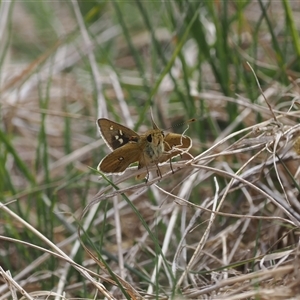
x=175 y=144
x=120 y=159
x=114 y=134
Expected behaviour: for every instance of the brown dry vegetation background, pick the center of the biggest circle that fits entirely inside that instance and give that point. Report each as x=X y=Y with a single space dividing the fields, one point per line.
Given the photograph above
x=224 y=225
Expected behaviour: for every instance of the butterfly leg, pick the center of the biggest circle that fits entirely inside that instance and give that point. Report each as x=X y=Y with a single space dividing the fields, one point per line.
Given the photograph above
x=148 y=175
x=142 y=175
x=158 y=172
x=171 y=166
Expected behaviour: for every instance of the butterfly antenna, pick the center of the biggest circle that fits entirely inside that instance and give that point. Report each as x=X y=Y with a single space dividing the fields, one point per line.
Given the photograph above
x=152 y=119
x=183 y=123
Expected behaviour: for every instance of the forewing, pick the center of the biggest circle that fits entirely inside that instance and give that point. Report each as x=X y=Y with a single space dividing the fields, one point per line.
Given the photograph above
x=175 y=144
x=114 y=134
x=120 y=159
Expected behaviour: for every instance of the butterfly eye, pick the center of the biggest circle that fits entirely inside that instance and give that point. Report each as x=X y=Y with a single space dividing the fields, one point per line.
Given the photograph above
x=149 y=138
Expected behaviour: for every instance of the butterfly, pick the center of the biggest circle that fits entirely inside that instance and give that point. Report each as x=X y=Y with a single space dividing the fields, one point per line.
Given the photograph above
x=148 y=148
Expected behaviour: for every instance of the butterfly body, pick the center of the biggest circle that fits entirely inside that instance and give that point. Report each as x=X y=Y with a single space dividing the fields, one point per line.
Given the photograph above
x=151 y=147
